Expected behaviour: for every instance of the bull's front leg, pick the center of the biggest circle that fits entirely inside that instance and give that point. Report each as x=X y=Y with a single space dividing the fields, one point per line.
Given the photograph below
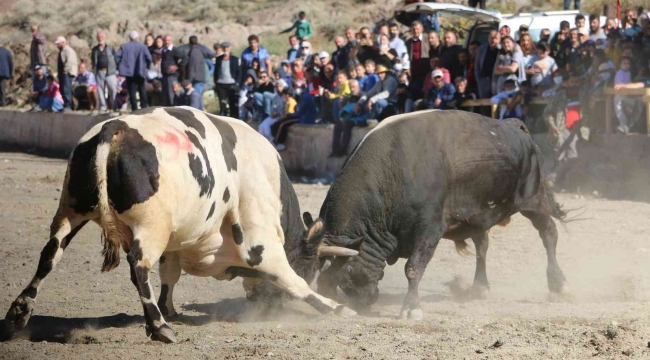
x=170 y=272
x=423 y=250
x=63 y=229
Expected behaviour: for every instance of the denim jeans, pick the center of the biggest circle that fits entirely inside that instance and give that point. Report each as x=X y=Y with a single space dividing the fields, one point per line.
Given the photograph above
x=198 y=87
x=65 y=83
x=377 y=108
x=49 y=103
x=106 y=81
x=264 y=101
x=567 y=4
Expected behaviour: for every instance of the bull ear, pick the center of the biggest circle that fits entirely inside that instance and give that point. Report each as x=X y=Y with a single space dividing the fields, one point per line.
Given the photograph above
x=306 y=217
x=315 y=230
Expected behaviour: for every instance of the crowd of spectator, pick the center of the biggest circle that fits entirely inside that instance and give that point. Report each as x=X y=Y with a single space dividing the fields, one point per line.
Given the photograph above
x=373 y=73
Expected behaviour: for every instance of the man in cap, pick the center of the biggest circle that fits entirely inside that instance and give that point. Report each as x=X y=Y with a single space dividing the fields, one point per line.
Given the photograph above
x=441 y=93
x=583 y=35
x=67 y=67
x=383 y=94
x=39 y=87
x=523 y=29
x=324 y=58
x=191 y=97
x=227 y=76
x=133 y=60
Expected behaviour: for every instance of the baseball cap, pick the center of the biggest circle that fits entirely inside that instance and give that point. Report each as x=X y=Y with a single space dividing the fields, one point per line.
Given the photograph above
x=523 y=27
x=225 y=44
x=583 y=31
x=37 y=67
x=305 y=44
x=513 y=77
x=281 y=82
x=436 y=73
x=564 y=24
x=184 y=83
x=285 y=62
x=323 y=54
x=59 y=40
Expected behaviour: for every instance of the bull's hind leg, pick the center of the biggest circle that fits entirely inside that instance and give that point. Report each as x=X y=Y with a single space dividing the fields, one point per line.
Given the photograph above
x=548 y=232
x=481 y=286
x=170 y=272
x=423 y=249
x=148 y=246
x=62 y=230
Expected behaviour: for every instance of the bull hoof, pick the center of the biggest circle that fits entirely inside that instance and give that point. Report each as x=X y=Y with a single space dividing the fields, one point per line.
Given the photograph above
x=412 y=314
x=164 y=334
x=19 y=314
x=344 y=312
x=479 y=291
x=559 y=287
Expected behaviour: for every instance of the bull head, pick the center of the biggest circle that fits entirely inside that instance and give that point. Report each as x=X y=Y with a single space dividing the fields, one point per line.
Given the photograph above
x=315 y=236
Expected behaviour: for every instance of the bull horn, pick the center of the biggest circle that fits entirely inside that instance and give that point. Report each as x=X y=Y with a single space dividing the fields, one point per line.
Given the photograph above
x=325 y=250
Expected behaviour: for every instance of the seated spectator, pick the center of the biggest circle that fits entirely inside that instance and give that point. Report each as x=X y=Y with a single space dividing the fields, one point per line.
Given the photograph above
x=297 y=75
x=39 y=87
x=324 y=59
x=246 y=101
x=340 y=56
x=508 y=63
x=435 y=65
x=545 y=35
x=154 y=80
x=302 y=26
x=623 y=77
x=85 y=87
x=613 y=49
x=263 y=94
x=342 y=90
x=278 y=108
x=370 y=78
x=306 y=54
x=441 y=93
x=347 y=120
x=462 y=93
x=396 y=42
x=52 y=101
x=601 y=71
x=449 y=53
x=179 y=94
x=403 y=91
x=527 y=46
x=122 y=97
x=360 y=71
x=192 y=97
x=541 y=67
x=510 y=106
x=380 y=97
x=305 y=114
x=285 y=72
x=256 y=66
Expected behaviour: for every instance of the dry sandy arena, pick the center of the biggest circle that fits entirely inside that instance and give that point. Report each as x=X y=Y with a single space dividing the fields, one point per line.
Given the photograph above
x=84 y=314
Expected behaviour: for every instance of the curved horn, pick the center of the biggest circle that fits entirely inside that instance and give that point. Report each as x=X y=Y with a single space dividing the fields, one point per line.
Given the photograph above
x=325 y=250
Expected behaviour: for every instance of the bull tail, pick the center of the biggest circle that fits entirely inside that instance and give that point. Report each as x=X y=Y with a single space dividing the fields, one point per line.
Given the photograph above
x=462 y=248
x=114 y=231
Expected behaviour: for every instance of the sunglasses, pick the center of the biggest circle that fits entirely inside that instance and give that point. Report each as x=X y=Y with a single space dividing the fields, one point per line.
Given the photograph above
x=306 y=47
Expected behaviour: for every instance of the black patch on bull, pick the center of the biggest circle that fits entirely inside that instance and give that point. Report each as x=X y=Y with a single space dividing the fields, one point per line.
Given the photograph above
x=145 y=111
x=228 y=142
x=211 y=211
x=47 y=255
x=162 y=259
x=30 y=292
x=317 y=304
x=226 y=195
x=132 y=168
x=82 y=182
x=188 y=118
x=235 y=271
x=151 y=312
x=68 y=238
x=237 y=234
x=206 y=182
x=164 y=291
x=255 y=255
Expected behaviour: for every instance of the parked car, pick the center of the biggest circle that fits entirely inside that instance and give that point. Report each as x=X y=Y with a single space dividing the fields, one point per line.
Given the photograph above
x=483 y=21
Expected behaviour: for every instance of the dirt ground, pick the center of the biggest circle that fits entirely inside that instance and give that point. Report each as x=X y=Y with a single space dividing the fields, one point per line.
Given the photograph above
x=83 y=313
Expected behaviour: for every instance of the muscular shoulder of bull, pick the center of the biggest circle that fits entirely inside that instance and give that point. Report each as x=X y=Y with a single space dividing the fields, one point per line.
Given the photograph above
x=517 y=123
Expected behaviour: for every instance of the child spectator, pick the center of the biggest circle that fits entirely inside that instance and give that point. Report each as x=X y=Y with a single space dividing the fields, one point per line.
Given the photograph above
x=122 y=97
x=510 y=106
x=343 y=89
x=623 y=77
x=371 y=78
x=441 y=93
x=246 y=95
x=179 y=94
x=601 y=70
x=541 y=67
x=302 y=26
x=52 y=101
x=361 y=75
x=462 y=93
x=347 y=121
x=280 y=108
x=403 y=91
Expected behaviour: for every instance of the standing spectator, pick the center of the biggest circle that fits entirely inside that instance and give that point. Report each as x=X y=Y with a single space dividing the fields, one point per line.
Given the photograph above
x=52 y=101
x=302 y=26
x=191 y=97
x=567 y=4
x=154 y=80
x=545 y=35
x=346 y=121
x=523 y=29
x=508 y=63
x=159 y=43
x=430 y=21
x=227 y=76
x=449 y=53
x=150 y=43
x=504 y=31
x=435 y=46
x=380 y=97
x=441 y=93
x=104 y=67
x=340 y=56
x=171 y=59
x=37 y=51
x=351 y=37
x=623 y=77
x=541 y=67
x=133 y=60
x=558 y=43
x=324 y=58
x=630 y=26
x=67 y=66
x=595 y=31
x=581 y=22
x=306 y=57
x=396 y=41
x=572 y=50
x=256 y=51
x=365 y=49
x=6 y=72
x=86 y=82
x=39 y=87
x=294 y=51
x=527 y=46
x=611 y=26
x=464 y=66
x=418 y=52
x=486 y=58
x=195 y=65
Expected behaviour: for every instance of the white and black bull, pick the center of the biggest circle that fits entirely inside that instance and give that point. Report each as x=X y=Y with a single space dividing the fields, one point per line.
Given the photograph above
x=202 y=193
x=420 y=177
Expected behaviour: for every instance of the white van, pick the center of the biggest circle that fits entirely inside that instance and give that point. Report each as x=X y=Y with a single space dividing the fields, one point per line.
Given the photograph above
x=486 y=20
